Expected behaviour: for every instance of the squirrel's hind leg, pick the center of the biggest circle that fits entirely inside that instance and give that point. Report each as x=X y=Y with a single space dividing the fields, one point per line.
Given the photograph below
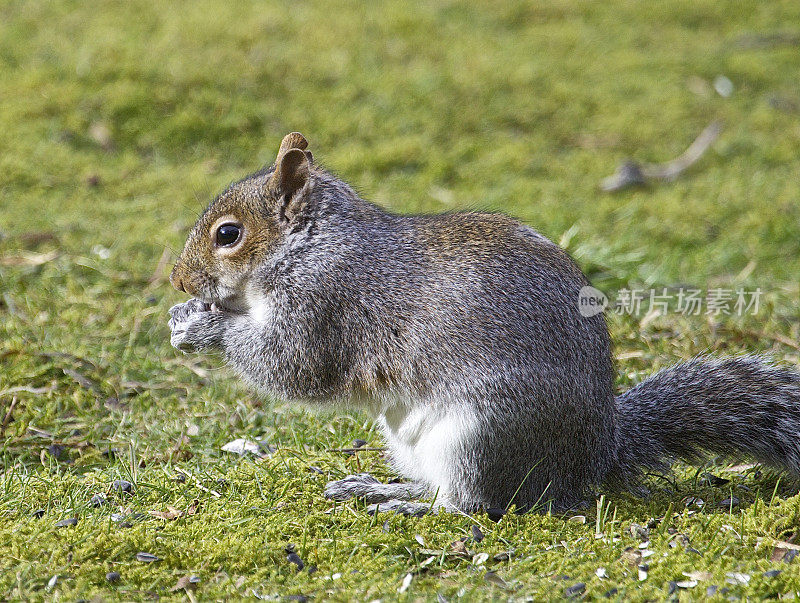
x=363 y=485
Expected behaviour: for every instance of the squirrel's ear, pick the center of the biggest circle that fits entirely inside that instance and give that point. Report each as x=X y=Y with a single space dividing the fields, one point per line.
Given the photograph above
x=290 y=181
x=293 y=140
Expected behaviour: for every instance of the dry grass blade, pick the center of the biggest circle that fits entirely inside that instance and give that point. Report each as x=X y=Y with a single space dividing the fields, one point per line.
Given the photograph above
x=28 y=259
x=7 y=417
x=631 y=173
x=159 y=274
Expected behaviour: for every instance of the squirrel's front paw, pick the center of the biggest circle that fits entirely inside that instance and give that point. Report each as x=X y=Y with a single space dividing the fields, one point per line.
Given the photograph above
x=196 y=328
x=180 y=313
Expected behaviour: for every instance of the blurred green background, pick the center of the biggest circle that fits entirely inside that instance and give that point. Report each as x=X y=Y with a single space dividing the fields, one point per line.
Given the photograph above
x=120 y=121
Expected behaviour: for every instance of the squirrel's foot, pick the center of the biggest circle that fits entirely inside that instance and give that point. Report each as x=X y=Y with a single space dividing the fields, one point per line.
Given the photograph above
x=363 y=485
x=404 y=507
x=353 y=486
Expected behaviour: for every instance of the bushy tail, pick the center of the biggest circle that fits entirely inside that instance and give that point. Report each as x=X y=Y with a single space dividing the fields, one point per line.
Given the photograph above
x=738 y=407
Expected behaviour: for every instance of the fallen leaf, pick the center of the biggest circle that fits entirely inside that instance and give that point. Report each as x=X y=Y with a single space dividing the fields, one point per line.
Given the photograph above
x=698 y=575
x=35 y=238
x=241 y=447
x=100 y=133
x=723 y=86
x=170 y=514
x=783 y=553
x=406 y=583
x=631 y=556
x=493 y=578
x=739 y=468
x=737 y=578
x=28 y=259
x=182 y=583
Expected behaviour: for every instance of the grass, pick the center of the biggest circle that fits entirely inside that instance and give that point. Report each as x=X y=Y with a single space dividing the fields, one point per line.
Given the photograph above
x=119 y=121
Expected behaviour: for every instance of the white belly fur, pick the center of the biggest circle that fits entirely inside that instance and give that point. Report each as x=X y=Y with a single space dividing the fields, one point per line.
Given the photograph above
x=425 y=443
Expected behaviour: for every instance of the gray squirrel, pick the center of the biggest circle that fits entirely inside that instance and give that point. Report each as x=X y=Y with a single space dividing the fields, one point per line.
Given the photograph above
x=461 y=335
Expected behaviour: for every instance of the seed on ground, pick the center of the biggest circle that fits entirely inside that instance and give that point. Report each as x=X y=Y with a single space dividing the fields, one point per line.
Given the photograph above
x=121 y=485
x=67 y=523
x=295 y=558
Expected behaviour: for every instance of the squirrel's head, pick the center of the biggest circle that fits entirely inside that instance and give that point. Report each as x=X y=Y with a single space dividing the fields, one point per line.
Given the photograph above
x=243 y=227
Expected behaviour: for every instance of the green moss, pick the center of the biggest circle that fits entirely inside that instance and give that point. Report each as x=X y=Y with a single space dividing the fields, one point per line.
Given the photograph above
x=120 y=121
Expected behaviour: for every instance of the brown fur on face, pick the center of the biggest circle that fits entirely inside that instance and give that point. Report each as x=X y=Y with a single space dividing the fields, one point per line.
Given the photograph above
x=263 y=207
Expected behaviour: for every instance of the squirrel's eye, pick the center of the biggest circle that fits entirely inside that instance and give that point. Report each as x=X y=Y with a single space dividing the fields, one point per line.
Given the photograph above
x=228 y=234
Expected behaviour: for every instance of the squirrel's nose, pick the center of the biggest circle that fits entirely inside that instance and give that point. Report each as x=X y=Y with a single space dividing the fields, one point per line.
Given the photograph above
x=176 y=282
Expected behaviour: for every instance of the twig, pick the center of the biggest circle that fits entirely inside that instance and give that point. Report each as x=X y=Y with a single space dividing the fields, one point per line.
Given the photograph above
x=349 y=450
x=82 y=380
x=775 y=337
x=158 y=275
x=24 y=388
x=197 y=483
x=631 y=173
x=40 y=433
x=7 y=418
